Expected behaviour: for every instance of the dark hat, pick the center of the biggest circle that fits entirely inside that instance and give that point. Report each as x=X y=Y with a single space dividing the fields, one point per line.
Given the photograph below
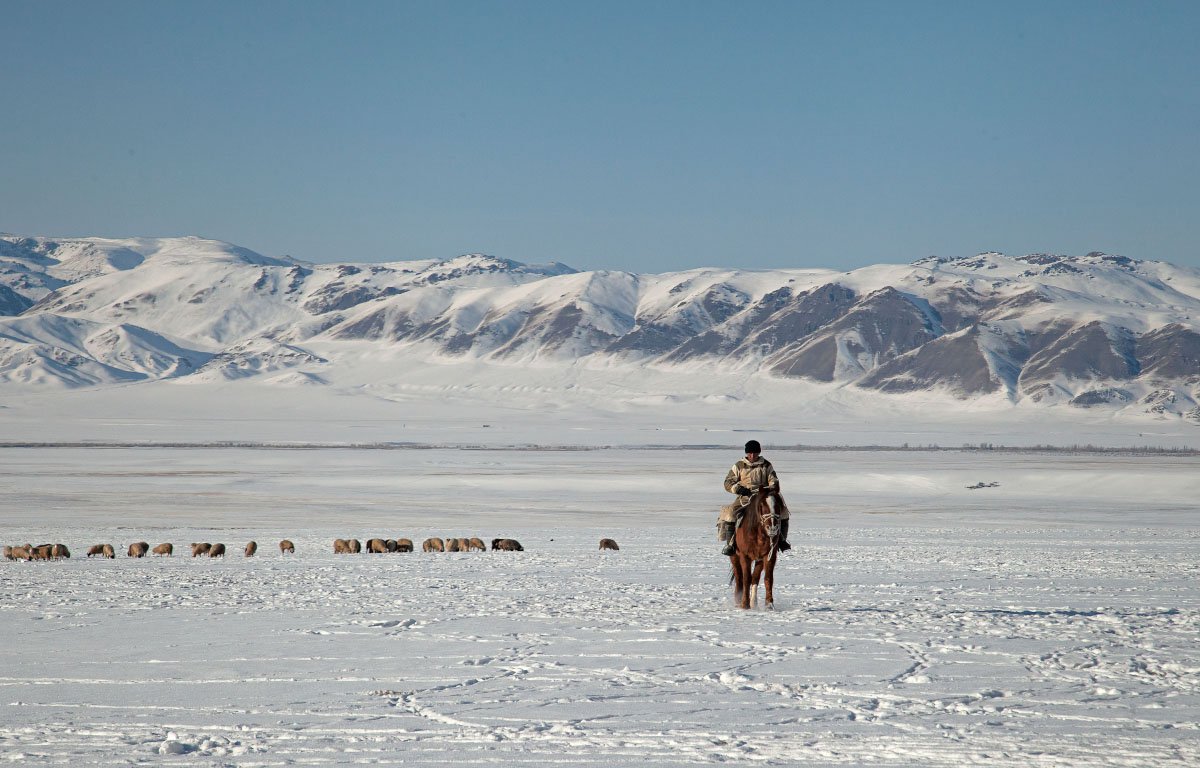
x=753 y=447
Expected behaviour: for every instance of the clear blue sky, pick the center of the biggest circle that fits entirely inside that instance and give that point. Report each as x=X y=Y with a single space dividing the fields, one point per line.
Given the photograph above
x=644 y=136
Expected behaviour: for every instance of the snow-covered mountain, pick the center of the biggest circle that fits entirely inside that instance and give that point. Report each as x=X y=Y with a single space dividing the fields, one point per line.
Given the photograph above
x=1087 y=331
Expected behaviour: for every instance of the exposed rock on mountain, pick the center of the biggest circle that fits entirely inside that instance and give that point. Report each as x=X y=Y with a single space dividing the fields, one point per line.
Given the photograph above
x=1170 y=353
x=878 y=328
x=1095 y=351
x=954 y=361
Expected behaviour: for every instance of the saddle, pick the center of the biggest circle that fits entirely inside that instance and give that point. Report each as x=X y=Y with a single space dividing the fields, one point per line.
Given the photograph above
x=782 y=509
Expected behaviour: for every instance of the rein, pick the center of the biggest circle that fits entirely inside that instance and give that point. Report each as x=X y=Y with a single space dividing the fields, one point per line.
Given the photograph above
x=769 y=519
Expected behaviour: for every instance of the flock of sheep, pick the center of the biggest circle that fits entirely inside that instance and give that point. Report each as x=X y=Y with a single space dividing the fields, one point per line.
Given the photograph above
x=286 y=547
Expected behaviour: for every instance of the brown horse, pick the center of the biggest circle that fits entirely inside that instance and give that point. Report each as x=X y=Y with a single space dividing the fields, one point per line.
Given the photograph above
x=757 y=547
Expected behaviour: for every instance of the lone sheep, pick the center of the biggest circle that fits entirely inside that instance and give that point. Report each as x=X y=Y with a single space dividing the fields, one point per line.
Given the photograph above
x=139 y=549
x=286 y=547
x=507 y=545
x=164 y=550
x=251 y=548
x=218 y=550
x=608 y=544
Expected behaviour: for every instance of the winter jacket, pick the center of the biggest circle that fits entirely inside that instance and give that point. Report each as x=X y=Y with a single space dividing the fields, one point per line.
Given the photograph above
x=751 y=475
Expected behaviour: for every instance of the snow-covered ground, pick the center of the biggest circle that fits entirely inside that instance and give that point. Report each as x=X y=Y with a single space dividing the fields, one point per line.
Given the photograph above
x=1048 y=620
x=472 y=403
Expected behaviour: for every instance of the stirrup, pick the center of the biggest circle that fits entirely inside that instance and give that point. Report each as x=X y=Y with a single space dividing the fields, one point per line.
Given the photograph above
x=784 y=546
x=729 y=549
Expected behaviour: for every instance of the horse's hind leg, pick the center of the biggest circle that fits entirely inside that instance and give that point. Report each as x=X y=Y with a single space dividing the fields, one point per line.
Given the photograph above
x=743 y=579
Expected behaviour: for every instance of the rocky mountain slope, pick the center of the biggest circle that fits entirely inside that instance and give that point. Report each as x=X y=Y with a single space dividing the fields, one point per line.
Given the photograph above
x=1087 y=331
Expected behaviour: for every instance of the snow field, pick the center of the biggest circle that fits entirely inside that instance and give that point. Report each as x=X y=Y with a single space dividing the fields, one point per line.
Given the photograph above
x=948 y=628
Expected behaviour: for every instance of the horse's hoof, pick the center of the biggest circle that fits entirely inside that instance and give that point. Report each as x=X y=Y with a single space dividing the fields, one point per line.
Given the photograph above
x=770 y=606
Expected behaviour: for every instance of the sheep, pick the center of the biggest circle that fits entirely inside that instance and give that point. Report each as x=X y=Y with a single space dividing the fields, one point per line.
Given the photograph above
x=608 y=544
x=404 y=545
x=60 y=552
x=286 y=547
x=391 y=545
x=24 y=552
x=355 y=546
x=165 y=549
x=452 y=545
x=464 y=545
x=95 y=549
x=138 y=549
x=251 y=548
x=200 y=549
x=476 y=544
x=218 y=550
x=40 y=552
x=8 y=555
x=507 y=545
x=377 y=546
x=433 y=545
x=106 y=550
x=341 y=547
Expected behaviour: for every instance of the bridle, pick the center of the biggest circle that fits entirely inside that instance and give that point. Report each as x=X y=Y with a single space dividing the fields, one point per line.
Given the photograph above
x=769 y=518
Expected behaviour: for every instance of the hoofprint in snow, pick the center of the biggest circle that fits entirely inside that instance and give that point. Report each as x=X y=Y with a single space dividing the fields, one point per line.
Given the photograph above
x=1049 y=619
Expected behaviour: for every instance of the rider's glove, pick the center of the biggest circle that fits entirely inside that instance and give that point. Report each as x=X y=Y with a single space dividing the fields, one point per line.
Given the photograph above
x=742 y=490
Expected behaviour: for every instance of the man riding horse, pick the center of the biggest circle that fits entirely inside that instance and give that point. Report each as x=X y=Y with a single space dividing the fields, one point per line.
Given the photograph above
x=746 y=478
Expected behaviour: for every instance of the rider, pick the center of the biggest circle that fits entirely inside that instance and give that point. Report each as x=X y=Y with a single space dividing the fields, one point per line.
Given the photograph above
x=744 y=478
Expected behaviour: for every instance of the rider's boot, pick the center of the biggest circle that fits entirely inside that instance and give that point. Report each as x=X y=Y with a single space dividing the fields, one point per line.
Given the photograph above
x=783 y=542
x=727 y=536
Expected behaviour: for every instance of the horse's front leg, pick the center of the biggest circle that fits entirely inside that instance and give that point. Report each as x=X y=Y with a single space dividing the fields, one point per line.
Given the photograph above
x=769 y=578
x=754 y=577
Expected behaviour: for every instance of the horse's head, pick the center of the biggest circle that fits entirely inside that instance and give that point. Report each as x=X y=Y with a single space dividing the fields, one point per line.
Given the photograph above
x=764 y=509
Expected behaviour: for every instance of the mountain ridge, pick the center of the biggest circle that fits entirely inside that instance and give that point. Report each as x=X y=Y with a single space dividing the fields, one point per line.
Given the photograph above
x=1096 y=330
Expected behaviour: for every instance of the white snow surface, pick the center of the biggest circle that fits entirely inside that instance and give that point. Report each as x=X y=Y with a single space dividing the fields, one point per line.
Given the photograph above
x=1048 y=619
x=385 y=396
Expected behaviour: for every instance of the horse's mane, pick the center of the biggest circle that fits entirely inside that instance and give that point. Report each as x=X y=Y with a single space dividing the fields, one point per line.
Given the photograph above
x=752 y=519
